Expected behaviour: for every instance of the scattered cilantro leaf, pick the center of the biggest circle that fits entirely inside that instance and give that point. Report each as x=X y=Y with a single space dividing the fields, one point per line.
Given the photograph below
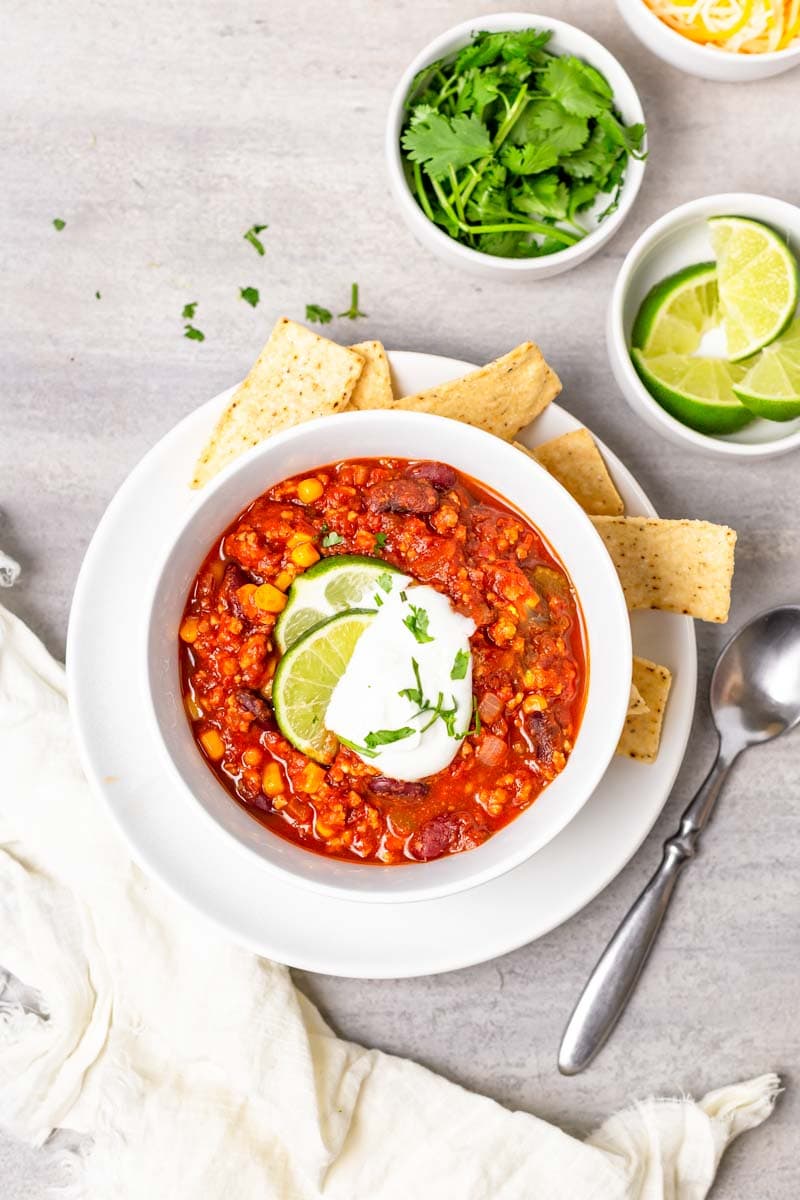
x=378 y=600
x=385 y=581
x=380 y=541
x=460 y=664
x=353 y=311
x=417 y=621
x=58 y=223
x=362 y=750
x=97 y=295
x=189 y=310
x=250 y=294
x=332 y=539
x=252 y=237
x=194 y=335
x=315 y=312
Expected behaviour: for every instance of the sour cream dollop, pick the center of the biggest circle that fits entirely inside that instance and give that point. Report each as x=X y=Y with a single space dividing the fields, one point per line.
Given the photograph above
x=367 y=708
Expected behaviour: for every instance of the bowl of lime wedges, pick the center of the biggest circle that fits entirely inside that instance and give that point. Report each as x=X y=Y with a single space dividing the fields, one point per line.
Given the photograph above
x=704 y=327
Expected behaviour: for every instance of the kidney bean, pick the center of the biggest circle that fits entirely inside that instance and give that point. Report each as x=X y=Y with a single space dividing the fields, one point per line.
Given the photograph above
x=438 y=835
x=401 y=496
x=382 y=785
x=439 y=474
x=252 y=704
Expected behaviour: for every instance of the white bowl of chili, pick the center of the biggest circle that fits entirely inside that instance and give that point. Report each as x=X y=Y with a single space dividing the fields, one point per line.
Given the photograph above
x=601 y=216
x=525 y=496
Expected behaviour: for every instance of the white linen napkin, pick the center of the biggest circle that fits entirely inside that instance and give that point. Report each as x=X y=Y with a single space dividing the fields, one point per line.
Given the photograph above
x=196 y=1071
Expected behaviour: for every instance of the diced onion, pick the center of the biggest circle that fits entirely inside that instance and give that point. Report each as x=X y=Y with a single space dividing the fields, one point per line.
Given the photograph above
x=736 y=26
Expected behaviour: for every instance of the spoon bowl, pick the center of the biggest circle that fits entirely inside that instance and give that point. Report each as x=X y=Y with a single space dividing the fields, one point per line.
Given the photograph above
x=755 y=688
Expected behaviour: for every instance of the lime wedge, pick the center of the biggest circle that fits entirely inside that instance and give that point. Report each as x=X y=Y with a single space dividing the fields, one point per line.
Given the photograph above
x=330 y=586
x=771 y=388
x=697 y=391
x=757 y=280
x=676 y=313
x=306 y=677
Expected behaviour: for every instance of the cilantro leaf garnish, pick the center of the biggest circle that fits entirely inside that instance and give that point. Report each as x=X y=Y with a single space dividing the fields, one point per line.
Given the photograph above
x=384 y=581
x=417 y=621
x=250 y=294
x=315 y=312
x=380 y=541
x=385 y=737
x=252 y=237
x=58 y=223
x=362 y=750
x=97 y=295
x=505 y=144
x=414 y=694
x=332 y=539
x=460 y=664
x=353 y=311
x=194 y=335
x=189 y=311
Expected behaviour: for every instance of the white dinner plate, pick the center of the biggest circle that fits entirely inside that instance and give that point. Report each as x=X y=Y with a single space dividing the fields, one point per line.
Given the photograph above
x=170 y=838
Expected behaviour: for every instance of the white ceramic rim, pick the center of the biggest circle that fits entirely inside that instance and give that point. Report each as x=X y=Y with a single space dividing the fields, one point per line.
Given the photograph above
x=601 y=58
x=721 y=204
x=603 y=717
x=704 y=53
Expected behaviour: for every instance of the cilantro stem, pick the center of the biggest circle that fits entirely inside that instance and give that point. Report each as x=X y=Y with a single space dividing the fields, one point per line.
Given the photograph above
x=520 y=100
x=558 y=235
x=456 y=194
x=419 y=188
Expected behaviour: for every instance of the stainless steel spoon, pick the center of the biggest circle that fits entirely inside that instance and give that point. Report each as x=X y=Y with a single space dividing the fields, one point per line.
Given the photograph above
x=755 y=696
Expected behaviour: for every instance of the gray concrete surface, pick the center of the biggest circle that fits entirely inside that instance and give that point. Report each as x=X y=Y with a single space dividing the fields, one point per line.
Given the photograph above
x=159 y=132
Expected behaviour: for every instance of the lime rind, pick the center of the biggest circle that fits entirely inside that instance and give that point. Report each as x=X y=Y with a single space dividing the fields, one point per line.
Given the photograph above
x=698 y=392
x=758 y=283
x=678 y=311
x=308 y=673
x=333 y=584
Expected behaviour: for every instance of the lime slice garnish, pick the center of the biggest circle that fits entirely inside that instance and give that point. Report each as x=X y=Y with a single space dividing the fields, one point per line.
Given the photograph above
x=330 y=586
x=676 y=313
x=771 y=388
x=757 y=281
x=697 y=391
x=305 y=679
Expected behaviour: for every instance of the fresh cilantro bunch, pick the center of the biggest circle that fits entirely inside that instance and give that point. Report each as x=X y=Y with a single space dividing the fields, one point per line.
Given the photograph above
x=507 y=144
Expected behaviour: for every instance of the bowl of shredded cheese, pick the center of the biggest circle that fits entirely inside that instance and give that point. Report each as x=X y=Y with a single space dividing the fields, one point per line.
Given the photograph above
x=727 y=40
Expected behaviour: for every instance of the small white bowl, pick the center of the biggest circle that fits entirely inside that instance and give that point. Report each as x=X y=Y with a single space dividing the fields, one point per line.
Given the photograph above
x=525 y=485
x=706 y=61
x=566 y=39
x=671 y=243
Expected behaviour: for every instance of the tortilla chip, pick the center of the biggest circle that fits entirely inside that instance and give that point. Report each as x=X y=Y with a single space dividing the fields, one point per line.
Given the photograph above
x=501 y=397
x=642 y=733
x=298 y=375
x=676 y=566
x=374 y=387
x=574 y=460
x=637 y=703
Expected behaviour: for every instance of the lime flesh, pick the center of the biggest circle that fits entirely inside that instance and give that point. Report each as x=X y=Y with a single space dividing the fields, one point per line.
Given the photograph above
x=696 y=391
x=330 y=586
x=306 y=677
x=757 y=278
x=771 y=388
x=678 y=311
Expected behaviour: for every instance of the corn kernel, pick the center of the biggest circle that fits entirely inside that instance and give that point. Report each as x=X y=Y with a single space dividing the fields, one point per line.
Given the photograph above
x=279 y=802
x=312 y=777
x=212 y=744
x=284 y=580
x=272 y=780
x=309 y=490
x=269 y=598
x=534 y=703
x=304 y=555
x=297 y=539
x=193 y=708
x=322 y=830
x=245 y=594
x=189 y=630
x=253 y=757
x=218 y=570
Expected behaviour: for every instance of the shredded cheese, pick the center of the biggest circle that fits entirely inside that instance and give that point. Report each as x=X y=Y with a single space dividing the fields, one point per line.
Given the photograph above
x=736 y=26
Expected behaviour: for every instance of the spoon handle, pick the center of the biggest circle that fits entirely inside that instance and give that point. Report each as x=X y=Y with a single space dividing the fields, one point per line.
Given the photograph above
x=612 y=981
